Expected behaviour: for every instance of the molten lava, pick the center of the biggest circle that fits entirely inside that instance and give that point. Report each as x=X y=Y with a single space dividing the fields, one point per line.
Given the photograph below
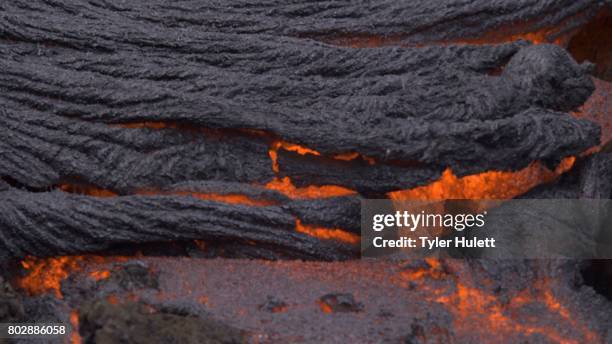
x=487 y=185
x=89 y=190
x=559 y=34
x=471 y=305
x=327 y=233
x=75 y=338
x=223 y=198
x=100 y=275
x=46 y=275
x=286 y=187
x=230 y=198
x=325 y=308
x=353 y=156
x=149 y=125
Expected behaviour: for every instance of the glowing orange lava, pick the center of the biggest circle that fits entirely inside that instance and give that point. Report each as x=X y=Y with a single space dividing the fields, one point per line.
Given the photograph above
x=286 y=187
x=282 y=185
x=113 y=299
x=327 y=233
x=149 y=125
x=86 y=190
x=559 y=34
x=204 y=300
x=223 y=198
x=324 y=307
x=230 y=198
x=513 y=34
x=353 y=156
x=433 y=270
x=46 y=275
x=75 y=337
x=487 y=185
x=276 y=145
x=99 y=275
x=471 y=305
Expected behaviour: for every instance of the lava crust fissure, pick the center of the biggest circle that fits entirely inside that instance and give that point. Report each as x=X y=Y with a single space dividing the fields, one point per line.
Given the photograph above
x=452 y=116
x=73 y=97
x=53 y=223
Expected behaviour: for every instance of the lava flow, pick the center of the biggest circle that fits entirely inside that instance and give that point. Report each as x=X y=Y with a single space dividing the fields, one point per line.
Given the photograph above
x=327 y=233
x=487 y=185
x=75 y=337
x=560 y=33
x=45 y=275
x=286 y=187
x=470 y=304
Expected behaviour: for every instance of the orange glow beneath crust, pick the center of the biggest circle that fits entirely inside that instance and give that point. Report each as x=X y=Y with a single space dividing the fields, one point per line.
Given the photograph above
x=204 y=300
x=434 y=271
x=279 y=309
x=149 y=125
x=487 y=185
x=353 y=156
x=100 y=275
x=282 y=185
x=538 y=37
x=87 y=190
x=223 y=198
x=45 y=275
x=327 y=233
x=526 y=30
x=471 y=305
x=75 y=337
x=113 y=299
x=493 y=37
x=229 y=198
x=292 y=147
x=505 y=36
x=286 y=187
x=324 y=307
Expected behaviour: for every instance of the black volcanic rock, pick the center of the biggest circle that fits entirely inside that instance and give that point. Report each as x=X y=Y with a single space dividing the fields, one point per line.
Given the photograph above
x=340 y=303
x=575 y=222
x=156 y=24
x=136 y=96
x=57 y=223
x=427 y=105
x=102 y=322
